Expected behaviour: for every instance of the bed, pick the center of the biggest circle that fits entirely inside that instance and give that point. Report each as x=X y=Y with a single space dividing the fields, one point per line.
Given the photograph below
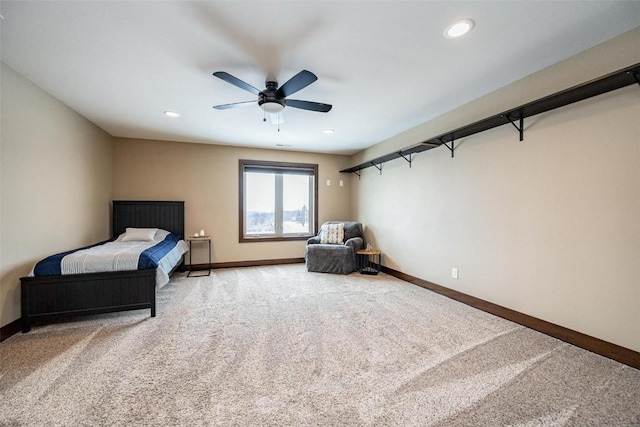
x=47 y=297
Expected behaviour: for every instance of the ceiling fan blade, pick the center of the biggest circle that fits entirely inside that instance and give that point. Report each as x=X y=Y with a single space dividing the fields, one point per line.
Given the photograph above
x=234 y=105
x=236 y=82
x=301 y=80
x=308 y=105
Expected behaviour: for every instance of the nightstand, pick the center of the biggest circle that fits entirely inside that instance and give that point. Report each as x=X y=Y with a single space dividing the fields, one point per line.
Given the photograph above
x=199 y=239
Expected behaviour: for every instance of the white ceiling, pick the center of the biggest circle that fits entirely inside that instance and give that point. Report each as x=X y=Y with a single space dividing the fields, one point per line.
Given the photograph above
x=385 y=66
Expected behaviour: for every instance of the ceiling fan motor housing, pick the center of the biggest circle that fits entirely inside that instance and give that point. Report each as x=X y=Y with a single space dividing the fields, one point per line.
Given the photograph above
x=269 y=101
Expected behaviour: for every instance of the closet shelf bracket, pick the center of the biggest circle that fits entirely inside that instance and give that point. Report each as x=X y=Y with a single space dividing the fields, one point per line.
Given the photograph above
x=452 y=148
x=379 y=167
x=520 y=128
x=408 y=159
x=635 y=76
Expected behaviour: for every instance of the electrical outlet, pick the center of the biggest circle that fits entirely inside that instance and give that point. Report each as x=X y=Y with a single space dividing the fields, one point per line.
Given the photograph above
x=341 y=183
x=454 y=273
x=328 y=182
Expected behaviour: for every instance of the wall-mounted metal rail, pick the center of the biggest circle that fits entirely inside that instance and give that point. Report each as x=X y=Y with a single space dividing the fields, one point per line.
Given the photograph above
x=515 y=116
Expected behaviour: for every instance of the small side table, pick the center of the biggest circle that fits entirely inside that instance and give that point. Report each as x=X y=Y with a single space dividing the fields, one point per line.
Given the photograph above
x=369 y=261
x=199 y=240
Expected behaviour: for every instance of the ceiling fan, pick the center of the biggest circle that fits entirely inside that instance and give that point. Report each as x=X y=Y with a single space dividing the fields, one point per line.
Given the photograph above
x=273 y=98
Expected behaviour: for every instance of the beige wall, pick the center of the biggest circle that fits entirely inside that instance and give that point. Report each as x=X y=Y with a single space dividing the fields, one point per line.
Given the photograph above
x=55 y=183
x=548 y=227
x=206 y=178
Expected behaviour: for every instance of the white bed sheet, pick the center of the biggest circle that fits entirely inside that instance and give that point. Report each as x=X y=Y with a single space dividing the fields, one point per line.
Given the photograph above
x=169 y=261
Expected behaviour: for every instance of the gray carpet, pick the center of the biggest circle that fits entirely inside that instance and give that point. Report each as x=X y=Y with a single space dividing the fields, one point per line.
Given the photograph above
x=279 y=346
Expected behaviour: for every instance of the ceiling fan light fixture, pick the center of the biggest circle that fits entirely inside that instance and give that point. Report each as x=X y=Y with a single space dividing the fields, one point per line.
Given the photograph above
x=458 y=28
x=272 y=107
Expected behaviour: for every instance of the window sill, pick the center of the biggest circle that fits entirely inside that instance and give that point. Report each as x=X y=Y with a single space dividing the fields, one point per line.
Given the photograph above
x=256 y=239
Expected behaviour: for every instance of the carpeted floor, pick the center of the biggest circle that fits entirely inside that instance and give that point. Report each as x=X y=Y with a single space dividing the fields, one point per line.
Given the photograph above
x=279 y=346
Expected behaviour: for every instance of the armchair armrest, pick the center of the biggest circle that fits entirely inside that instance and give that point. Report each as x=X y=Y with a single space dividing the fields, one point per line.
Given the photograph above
x=355 y=243
x=315 y=240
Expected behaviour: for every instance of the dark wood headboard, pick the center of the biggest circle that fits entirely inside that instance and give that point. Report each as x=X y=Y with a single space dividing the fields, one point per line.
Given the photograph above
x=148 y=214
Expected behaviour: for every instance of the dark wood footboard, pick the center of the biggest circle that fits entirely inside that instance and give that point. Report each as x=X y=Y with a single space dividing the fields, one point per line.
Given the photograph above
x=77 y=294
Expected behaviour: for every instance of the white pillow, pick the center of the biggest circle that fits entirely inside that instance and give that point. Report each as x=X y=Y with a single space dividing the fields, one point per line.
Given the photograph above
x=138 y=235
x=332 y=234
x=160 y=235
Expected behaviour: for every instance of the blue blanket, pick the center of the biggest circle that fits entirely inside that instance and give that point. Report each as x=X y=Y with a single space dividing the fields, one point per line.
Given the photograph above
x=149 y=259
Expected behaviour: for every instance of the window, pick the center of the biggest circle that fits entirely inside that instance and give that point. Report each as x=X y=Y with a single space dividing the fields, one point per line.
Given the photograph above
x=277 y=200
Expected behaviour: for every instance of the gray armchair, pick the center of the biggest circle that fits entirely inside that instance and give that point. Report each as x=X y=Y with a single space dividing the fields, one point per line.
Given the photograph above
x=335 y=258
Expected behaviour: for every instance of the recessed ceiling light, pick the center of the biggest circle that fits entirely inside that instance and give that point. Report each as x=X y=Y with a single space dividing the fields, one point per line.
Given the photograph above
x=328 y=131
x=458 y=28
x=171 y=114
